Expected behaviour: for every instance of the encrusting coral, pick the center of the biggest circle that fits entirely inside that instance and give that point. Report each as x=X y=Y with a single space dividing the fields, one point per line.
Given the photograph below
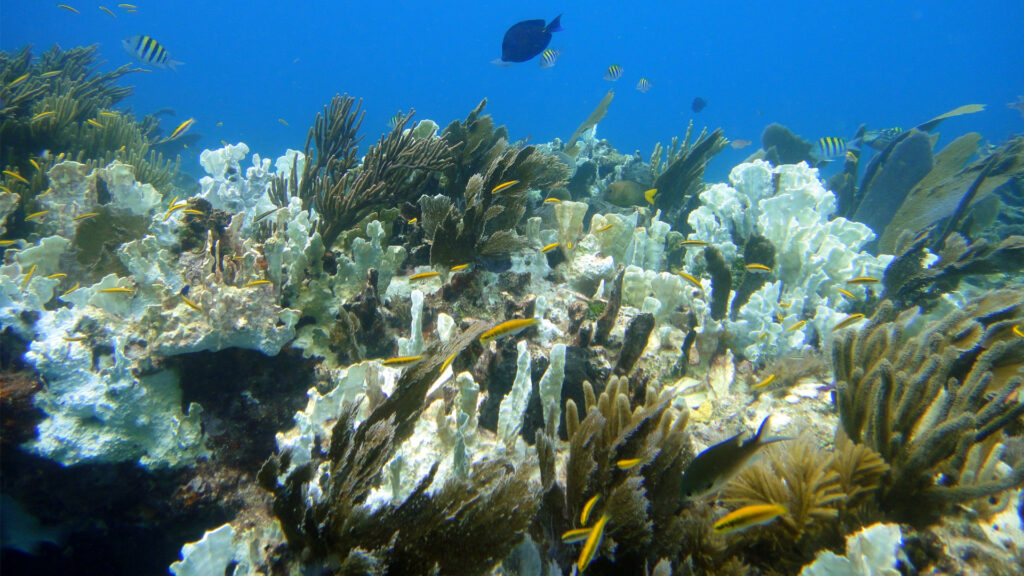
x=924 y=392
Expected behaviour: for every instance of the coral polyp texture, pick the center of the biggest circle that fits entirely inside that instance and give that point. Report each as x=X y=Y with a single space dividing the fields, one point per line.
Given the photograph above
x=454 y=353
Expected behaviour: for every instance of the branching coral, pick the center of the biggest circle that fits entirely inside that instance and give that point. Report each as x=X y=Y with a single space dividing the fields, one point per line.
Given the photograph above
x=908 y=282
x=631 y=459
x=680 y=182
x=391 y=173
x=61 y=104
x=488 y=511
x=923 y=393
x=814 y=487
x=486 y=227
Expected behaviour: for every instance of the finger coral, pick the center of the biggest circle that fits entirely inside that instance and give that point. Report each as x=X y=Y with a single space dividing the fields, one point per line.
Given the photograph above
x=924 y=392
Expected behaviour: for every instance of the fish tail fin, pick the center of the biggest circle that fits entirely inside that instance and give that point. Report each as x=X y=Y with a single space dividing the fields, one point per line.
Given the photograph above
x=173 y=65
x=760 y=438
x=762 y=428
x=555 y=25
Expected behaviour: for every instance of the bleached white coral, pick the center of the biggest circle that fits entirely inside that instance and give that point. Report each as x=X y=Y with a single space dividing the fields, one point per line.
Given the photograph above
x=815 y=254
x=8 y=204
x=870 y=552
x=96 y=408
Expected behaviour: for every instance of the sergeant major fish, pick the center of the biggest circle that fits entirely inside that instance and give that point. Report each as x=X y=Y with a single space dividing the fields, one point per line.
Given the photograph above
x=149 y=51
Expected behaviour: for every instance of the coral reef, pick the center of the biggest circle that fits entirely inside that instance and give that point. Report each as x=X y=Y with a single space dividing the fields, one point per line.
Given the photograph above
x=924 y=393
x=345 y=363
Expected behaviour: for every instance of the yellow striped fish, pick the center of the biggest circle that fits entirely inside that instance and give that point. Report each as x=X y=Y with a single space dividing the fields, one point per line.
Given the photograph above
x=509 y=328
x=503 y=186
x=593 y=543
x=748 y=516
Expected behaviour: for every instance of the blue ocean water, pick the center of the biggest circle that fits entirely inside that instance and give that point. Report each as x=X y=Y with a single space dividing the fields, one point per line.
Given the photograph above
x=821 y=68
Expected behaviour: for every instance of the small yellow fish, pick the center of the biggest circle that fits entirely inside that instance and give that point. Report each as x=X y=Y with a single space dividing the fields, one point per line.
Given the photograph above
x=508 y=328
x=863 y=280
x=628 y=463
x=748 y=516
x=650 y=194
x=6 y=243
x=74 y=338
x=50 y=74
x=848 y=321
x=45 y=192
x=18 y=80
x=127 y=6
x=108 y=11
x=5 y=189
x=68 y=8
x=763 y=383
x=16 y=176
x=35 y=164
x=42 y=115
x=108 y=114
x=94 y=123
x=73 y=288
x=448 y=362
x=57 y=276
x=256 y=283
x=503 y=186
x=219 y=124
x=117 y=290
x=459 y=267
x=413 y=220
x=576 y=535
x=797 y=326
x=86 y=215
x=402 y=361
x=191 y=211
x=757 y=268
x=850 y=156
x=605 y=228
x=552 y=200
x=592 y=544
x=191 y=304
x=182 y=128
x=1018 y=331
x=35 y=215
x=28 y=277
x=846 y=293
x=174 y=208
x=588 y=508
x=282 y=121
x=691 y=279
x=423 y=276
x=784 y=305
x=550 y=247
x=692 y=243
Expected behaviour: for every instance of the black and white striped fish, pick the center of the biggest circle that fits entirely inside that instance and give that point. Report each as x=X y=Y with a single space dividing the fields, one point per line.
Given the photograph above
x=149 y=51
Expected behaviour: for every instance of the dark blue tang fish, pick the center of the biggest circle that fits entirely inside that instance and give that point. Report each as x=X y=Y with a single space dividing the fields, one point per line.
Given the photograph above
x=527 y=39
